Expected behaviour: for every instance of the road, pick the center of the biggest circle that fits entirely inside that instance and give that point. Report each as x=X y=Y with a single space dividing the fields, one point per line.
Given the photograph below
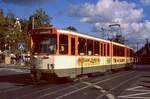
x=132 y=84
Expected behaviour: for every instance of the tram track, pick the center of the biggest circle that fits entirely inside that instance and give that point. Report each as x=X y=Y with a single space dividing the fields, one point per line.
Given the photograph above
x=117 y=87
x=40 y=92
x=81 y=88
x=82 y=91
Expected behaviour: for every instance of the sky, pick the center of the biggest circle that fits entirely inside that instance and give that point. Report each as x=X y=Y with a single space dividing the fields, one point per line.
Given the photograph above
x=90 y=16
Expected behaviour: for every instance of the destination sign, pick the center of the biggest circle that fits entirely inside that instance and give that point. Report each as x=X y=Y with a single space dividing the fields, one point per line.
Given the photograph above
x=43 y=32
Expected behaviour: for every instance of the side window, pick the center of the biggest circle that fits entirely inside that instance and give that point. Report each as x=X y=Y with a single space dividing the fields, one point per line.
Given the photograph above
x=122 y=51
x=108 y=49
x=63 y=44
x=131 y=53
x=127 y=52
x=114 y=50
x=104 y=49
x=96 y=48
x=72 y=46
x=101 y=45
x=82 y=46
x=89 y=47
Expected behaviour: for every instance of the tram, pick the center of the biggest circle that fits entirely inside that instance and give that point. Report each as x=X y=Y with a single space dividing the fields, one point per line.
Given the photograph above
x=67 y=53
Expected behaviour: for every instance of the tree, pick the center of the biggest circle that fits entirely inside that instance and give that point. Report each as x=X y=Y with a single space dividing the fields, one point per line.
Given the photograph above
x=72 y=28
x=40 y=19
x=11 y=33
x=20 y=33
x=3 y=30
x=10 y=19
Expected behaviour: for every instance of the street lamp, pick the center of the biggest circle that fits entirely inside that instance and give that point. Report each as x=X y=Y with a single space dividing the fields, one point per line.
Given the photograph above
x=112 y=38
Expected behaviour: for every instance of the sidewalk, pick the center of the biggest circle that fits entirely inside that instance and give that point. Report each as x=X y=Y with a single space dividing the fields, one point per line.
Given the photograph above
x=16 y=66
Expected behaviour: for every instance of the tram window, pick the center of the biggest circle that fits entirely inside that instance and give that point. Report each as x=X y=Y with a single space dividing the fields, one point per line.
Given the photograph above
x=127 y=54
x=101 y=49
x=108 y=49
x=44 y=44
x=131 y=53
x=90 y=47
x=96 y=48
x=63 y=44
x=118 y=50
x=114 y=50
x=104 y=49
x=82 y=46
x=73 y=46
x=123 y=52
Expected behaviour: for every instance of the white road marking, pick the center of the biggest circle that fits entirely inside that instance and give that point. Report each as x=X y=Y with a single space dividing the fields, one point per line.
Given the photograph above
x=110 y=96
x=12 y=89
x=124 y=82
x=133 y=88
x=137 y=89
x=47 y=93
x=74 y=91
x=32 y=93
x=93 y=85
x=132 y=95
x=136 y=97
x=99 y=97
x=56 y=91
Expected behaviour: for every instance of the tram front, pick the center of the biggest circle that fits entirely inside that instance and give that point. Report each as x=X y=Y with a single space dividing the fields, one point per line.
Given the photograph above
x=43 y=49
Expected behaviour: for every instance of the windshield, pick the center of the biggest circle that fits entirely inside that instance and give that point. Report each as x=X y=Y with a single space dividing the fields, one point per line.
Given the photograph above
x=44 y=44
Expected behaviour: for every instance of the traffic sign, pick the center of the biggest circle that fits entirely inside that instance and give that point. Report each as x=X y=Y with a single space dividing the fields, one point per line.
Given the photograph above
x=21 y=46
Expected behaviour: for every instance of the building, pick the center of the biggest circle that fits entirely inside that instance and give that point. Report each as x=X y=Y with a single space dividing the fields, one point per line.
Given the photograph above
x=143 y=55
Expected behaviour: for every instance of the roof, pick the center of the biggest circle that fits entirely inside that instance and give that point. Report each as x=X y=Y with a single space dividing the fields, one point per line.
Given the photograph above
x=145 y=50
x=66 y=31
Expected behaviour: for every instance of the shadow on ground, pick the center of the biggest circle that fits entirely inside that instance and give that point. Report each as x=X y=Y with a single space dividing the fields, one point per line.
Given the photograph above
x=25 y=79
x=143 y=68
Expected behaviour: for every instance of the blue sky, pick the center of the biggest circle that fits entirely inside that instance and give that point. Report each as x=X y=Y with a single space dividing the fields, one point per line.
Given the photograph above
x=89 y=15
x=58 y=10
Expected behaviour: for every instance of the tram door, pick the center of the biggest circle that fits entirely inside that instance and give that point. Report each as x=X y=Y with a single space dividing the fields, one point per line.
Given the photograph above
x=82 y=47
x=73 y=53
x=72 y=46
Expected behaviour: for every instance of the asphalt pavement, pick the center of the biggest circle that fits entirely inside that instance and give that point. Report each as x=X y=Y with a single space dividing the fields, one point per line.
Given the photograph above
x=131 y=84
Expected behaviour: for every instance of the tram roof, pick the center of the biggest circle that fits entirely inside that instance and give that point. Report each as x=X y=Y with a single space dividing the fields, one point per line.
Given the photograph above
x=84 y=35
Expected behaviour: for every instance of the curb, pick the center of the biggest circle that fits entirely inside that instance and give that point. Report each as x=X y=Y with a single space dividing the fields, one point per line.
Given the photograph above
x=14 y=66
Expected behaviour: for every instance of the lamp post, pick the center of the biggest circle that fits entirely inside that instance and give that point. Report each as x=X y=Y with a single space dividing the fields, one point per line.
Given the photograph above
x=112 y=38
x=112 y=28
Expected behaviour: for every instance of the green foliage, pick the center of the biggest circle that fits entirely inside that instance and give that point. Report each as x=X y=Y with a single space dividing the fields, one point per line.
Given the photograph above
x=11 y=34
x=40 y=18
x=3 y=29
